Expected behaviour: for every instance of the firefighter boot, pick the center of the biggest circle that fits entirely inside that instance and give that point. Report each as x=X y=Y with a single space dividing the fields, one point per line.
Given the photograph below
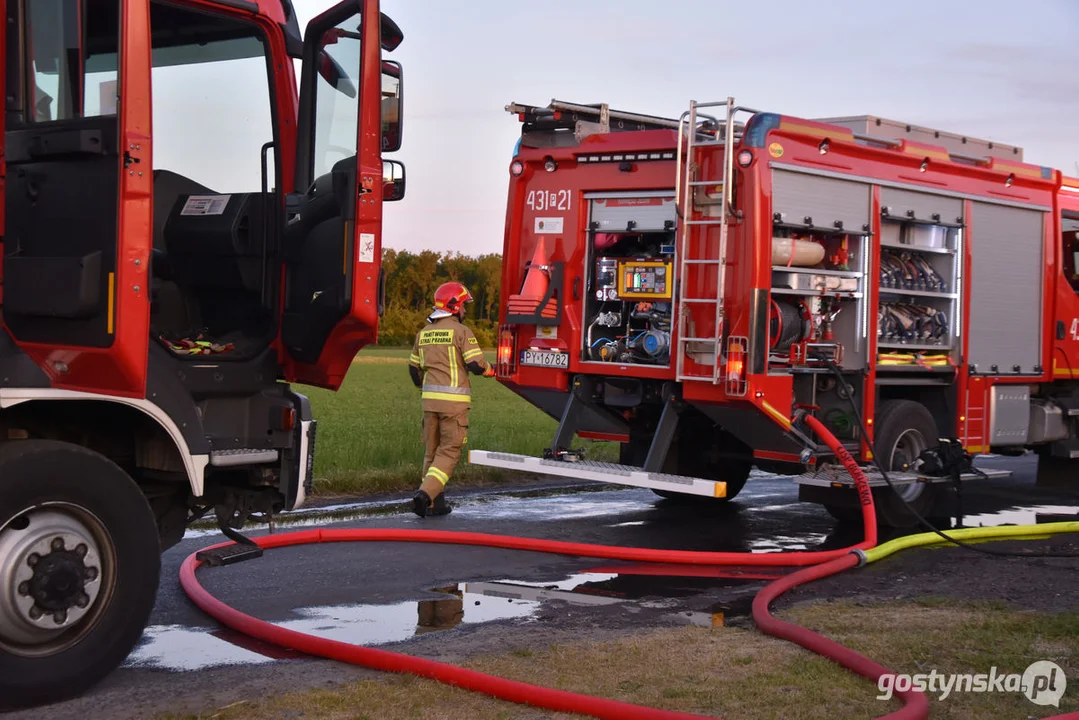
x=423 y=506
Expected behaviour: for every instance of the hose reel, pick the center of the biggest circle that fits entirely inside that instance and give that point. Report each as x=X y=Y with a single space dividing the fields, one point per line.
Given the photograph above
x=788 y=323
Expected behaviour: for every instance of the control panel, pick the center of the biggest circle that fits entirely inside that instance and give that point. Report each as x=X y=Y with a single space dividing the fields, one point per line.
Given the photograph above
x=644 y=280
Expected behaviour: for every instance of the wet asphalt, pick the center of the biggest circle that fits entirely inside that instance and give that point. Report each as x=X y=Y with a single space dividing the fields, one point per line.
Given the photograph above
x=447 y=602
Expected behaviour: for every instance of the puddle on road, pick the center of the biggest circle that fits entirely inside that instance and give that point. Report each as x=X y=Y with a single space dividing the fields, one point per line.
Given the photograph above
x=178 y=648
x=1023 y=515
x=564 y=507
x=786 y=543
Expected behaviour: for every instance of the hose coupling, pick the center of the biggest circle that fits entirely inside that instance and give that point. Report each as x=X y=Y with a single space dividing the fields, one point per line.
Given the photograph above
x=862 y=559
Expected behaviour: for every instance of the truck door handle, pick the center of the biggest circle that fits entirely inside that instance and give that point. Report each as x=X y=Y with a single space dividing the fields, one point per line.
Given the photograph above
x=576 y=288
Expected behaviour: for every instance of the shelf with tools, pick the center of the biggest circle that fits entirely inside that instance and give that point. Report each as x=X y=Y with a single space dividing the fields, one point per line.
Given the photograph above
x=918 y=293
x=921 y=249
x=919 y=289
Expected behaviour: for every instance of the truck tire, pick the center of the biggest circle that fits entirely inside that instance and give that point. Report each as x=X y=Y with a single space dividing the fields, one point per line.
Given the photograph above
x=904 y=429
x=78 y=549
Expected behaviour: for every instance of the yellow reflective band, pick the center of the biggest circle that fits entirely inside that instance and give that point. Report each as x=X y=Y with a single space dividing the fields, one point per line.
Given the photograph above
x=445 y=396
x=436 y=337
x=438 y=475
x=414 y=359
x=473 y=353
x=444 y=389
x=453 y=366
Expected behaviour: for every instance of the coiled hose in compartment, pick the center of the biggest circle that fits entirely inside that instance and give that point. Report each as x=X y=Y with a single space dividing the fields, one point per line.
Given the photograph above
x=788 y=324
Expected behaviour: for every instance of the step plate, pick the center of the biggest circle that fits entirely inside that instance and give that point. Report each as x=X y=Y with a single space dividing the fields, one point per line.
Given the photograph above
x=837 y=477
x=600 y=472
x=246 y=456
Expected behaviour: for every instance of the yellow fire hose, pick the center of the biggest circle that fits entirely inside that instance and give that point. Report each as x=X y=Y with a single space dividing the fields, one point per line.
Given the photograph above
x=998 y=532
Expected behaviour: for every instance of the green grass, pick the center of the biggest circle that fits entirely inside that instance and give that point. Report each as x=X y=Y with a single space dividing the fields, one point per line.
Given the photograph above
x=369 y=430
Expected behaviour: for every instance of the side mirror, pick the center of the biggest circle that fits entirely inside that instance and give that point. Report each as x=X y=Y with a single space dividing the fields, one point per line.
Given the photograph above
x=392 y=105
x=393 y=180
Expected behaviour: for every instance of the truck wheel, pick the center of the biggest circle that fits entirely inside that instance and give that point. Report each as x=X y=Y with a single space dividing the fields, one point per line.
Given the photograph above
x=904 y=429
x=79 y=569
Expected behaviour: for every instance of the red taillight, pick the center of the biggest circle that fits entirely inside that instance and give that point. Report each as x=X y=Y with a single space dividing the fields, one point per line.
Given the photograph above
x=505 y=362
x=737 y=349
x=735 y=367
x=288 y=418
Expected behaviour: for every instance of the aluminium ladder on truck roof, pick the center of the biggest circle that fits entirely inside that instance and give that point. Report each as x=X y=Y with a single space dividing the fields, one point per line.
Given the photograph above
x=588 y=119
x=599 y=118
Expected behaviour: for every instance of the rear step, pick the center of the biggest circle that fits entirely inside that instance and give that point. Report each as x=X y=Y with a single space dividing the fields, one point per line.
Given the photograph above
x=600 y=472
x=243 y=456
x=836 y=477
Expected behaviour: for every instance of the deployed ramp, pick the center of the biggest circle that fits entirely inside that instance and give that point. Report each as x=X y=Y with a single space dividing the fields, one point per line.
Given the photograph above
x=600 y=472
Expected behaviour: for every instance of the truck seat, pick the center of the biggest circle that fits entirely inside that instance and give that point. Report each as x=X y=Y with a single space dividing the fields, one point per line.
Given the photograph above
x=168 y=186
x=171 y=309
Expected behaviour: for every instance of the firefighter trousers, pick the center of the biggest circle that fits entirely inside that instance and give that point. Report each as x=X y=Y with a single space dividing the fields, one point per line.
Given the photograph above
x=444 y=434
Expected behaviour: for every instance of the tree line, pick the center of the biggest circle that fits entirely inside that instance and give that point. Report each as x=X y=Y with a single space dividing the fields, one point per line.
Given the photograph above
x=411 y=280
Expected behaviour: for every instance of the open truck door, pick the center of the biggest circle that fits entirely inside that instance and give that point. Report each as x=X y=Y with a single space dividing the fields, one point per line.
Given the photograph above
x=77 y=193
x=349 y=114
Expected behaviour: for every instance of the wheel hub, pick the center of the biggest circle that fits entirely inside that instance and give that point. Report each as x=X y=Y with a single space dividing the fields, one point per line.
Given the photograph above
x=50 y=576
x=906 y=452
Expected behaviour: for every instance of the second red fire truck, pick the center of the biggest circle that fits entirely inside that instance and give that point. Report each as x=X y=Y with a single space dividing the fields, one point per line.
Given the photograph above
x=686 y=287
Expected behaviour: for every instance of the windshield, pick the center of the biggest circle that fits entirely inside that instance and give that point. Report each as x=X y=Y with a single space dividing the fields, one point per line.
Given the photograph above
x=210 y=78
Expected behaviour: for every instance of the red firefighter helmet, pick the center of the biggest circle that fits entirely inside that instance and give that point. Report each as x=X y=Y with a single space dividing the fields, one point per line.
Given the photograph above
x=452 y=297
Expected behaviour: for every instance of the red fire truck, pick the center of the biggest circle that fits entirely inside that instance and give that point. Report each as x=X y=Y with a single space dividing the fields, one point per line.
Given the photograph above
x=185 y=233
x=686 y=287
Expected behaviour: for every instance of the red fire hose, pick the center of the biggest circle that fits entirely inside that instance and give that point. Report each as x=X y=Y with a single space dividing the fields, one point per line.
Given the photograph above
x=822 y=564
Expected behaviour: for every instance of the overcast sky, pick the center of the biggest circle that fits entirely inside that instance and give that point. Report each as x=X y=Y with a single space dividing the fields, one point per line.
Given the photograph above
x=998 y=70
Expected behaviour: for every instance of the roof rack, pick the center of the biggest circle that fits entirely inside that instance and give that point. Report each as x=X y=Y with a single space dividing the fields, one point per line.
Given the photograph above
x=959 y=146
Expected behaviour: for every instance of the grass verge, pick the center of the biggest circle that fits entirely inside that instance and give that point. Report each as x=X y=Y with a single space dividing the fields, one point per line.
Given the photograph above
x=740 y=673
x=369 y=430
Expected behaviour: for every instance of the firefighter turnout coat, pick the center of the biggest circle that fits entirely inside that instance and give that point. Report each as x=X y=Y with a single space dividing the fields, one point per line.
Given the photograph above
x=443 y=355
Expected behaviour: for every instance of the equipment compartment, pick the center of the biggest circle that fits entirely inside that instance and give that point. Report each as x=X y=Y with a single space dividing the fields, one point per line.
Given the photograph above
x=630 y=285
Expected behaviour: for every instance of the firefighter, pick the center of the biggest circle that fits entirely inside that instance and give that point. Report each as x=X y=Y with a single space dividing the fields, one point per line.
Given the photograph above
x=444 y=352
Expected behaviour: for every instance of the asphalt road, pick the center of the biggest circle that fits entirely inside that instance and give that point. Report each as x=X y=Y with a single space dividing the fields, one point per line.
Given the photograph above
x=397 y=595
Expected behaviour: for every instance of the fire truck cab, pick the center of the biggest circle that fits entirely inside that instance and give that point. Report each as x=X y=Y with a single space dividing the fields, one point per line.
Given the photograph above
x=187 y=229
x=688 y=287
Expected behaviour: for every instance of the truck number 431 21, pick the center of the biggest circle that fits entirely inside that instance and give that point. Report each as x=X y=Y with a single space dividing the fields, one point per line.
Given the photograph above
x=540 y=200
